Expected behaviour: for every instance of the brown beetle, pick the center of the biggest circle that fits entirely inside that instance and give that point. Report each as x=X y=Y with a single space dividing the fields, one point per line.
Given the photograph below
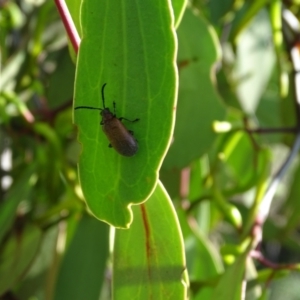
x=120 y=138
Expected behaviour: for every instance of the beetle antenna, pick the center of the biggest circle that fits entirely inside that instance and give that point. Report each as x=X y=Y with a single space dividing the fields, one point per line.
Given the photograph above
x=88 y=107
x=103 y=95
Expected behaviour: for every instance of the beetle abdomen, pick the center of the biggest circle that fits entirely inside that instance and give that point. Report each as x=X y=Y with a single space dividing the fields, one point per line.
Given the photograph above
x=126 y=147
x=120 y=139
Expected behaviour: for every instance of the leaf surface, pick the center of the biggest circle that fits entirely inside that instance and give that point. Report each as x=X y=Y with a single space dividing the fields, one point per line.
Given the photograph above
x=149 y=258
x=131 y=46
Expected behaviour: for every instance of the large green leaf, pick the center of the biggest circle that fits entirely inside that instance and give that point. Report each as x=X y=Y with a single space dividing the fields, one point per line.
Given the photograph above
x=198 y=102
x=130 y=46
x=149 y=257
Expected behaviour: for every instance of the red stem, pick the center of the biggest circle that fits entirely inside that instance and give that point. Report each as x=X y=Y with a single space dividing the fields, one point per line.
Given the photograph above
x=68 y=23
x=259 y=257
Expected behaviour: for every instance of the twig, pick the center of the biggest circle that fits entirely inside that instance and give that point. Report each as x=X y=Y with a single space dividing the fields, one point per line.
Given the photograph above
x=262 y=130
x=264 y=261
x=68 y=23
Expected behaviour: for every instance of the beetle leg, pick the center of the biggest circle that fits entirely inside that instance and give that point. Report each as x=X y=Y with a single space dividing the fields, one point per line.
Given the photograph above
x=129 y=120
x=132 y=133
x=114 y=108
x=110 y=146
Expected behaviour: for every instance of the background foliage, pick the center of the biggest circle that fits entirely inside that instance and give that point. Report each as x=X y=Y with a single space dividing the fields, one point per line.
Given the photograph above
x=237 y=78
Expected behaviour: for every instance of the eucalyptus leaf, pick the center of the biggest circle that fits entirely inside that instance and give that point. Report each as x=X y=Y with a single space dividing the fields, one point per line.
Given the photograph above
x=149 y=258
x=137 y=61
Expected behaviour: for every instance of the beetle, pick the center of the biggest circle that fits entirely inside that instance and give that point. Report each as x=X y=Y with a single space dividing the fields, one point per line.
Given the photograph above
x=121 y=139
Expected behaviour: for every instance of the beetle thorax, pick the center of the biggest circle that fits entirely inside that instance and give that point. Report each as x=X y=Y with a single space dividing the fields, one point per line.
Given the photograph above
x=107 y=115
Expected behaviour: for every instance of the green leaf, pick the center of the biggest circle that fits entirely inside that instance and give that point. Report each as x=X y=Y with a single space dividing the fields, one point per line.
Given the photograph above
x=231 y=283
x=82 y=270
x=10 y=71
x=16 y=255
x=292 y=205
x=218 y=14
x=207 y=262
x=255 y=61
x=37 y=276
x=239 y=155
x=283 y=110
x=14 y=196
x=198 y=102
x=204 y=263
x=171 y=181
x=178 y=8
x=198 y=172
x=286 y=288
x=249 y=11
x=136 y=60
x=149 y=257
x=62 y=76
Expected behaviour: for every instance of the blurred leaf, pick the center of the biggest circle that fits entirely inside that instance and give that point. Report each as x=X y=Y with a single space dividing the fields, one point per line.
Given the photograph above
x=18 y=192
x=255 y=61
x=10 y=70
x=137 y=63
x=230 y=211
x=288 y=116
x=265 y=295
x=171 y=181
x=249 y=10
x=292 y=204
x=63 y=75
x=13 y=14
x=242 y=161
x=178 y=8
x=198 y=104
x=198 y=173
x=149 y=257
x=16 y=255
x=226 y=87
x=35 y=280
x=286 y=288
x=82 y=270
x=204 y=263
x=238 y=162
x=272 y=111
x=217 y=11
x=230 y=285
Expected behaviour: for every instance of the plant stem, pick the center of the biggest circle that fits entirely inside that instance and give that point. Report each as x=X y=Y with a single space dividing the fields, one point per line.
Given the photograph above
x=68 y=23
